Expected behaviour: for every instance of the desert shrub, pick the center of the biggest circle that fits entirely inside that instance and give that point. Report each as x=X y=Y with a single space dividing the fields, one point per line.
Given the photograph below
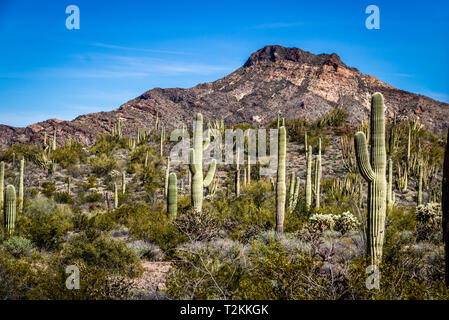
x=322 y=222
x=48 y=188
x=102 y=164
x=428 y=217
x=248 y=215
x=46 y=222
x=150 y=224
x=346 y=222
x=69 y=155
x=104 y=252
x=27 y=151
x=199 y=226
x=146 y=250
x=90 y=197
x=18 y=246
x=63 y=197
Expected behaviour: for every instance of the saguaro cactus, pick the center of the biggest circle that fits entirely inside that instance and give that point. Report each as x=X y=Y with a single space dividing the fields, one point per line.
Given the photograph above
x=53 y=145
x=280 y=183
x=420 y=181
x=115 y=196
x=318 y=176
x=291 y=190
x=237 y=175
x=373 y=167
x=172 y=196
x=390 y=184
x=10 y=209
x=196 y=165
x=123 y=182
x=167 y=173
x=445 y=207
x=309 y=179
x=2 y=184
x=22 y=165
x=296 y=193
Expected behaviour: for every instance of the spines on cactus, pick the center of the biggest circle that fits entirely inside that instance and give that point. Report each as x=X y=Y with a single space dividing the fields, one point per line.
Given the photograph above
x=10 y=209
x=196 y=166
x=280 y=183
x=172 y=196
x=373 y=168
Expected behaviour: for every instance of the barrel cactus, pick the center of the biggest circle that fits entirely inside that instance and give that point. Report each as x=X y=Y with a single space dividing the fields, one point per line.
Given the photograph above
x=373 y=168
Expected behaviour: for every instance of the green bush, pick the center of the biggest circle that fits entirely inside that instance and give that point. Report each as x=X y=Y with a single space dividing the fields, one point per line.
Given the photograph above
x=47 y=188
x=102 y=164
x=18 y=246
x=102 y=252
x=46 y=222
x=63 y=197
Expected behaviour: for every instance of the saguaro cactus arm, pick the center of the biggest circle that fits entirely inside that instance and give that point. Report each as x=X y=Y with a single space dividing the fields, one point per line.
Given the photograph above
x=192 y=164
x=361 y=153
x=210 y=173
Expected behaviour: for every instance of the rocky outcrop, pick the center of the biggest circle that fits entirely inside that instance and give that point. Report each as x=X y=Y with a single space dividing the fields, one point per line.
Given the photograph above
x=274 y=80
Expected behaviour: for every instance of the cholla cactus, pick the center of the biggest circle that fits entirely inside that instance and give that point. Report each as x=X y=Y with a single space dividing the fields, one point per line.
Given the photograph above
x=346 y=222
x=322 y=222
x=429 y=218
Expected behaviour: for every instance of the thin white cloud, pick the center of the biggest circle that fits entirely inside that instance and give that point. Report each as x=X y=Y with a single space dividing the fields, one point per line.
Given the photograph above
x=113 y=46
x=277 y=25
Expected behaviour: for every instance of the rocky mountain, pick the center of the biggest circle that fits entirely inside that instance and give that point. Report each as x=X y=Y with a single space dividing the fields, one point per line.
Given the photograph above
x=274 y=80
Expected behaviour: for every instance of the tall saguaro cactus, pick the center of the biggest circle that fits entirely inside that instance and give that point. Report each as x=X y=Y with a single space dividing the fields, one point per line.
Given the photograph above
x=22 y=165
x=2 y=184
x=172 y=196
x=237 y=175
x=318 y=176
x=123 y=182
x=291 y=190
x=196 y=165
x=280 y=183
x=167 y=173
x=420 y=182
x=10 y=209
x=445 y=207
x=390 y=184
x=309 y=179
x=373 y=168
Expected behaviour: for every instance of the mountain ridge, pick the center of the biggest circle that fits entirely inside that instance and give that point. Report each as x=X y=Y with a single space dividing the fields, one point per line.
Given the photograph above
x=274 y=80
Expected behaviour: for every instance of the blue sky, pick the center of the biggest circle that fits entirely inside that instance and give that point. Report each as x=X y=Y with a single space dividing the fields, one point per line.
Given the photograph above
x=124 y=48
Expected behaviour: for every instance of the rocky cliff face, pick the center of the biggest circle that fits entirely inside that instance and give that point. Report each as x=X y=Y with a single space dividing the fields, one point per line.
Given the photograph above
x=274 y=80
